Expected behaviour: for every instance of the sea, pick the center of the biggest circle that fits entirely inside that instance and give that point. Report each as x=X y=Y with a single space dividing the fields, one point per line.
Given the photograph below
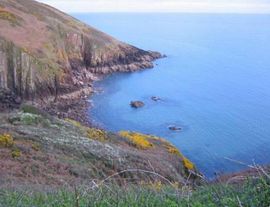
x=214 y=84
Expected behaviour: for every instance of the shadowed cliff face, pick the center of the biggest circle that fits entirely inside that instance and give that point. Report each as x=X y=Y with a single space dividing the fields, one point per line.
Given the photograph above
x=46 y=52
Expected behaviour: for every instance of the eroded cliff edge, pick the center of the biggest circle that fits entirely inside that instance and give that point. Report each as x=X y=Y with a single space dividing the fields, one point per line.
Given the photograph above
x=44 y=52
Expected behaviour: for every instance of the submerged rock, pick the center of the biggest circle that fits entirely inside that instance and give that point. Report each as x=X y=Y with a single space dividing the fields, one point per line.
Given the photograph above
x=155 y=98
x=175 y=128
x=136 y=104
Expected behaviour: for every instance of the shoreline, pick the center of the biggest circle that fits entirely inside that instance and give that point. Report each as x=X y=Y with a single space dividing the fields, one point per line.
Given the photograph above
x=78 y=102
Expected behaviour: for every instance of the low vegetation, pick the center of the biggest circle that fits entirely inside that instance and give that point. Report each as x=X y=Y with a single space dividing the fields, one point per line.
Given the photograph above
x=91 y=133
x=10 y=17
x=140 y=141
x=6 y=140
x=128 y=184
x=254 y=192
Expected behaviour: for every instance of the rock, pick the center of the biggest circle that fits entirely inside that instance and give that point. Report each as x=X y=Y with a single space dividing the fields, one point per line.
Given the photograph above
x=155 y=98
x=174 y=128
x=18 y=100
x=136 y=104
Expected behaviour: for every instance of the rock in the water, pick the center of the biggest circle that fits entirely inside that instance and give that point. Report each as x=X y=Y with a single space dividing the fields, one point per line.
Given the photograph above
x=155 y=98
x=174 y=128
x=136 y=104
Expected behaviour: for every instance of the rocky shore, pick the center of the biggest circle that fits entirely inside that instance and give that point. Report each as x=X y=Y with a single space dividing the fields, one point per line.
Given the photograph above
x=48 y=63
x=55 y=65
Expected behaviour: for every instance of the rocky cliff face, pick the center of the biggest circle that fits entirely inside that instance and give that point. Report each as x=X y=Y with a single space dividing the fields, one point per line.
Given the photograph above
x=46 y=52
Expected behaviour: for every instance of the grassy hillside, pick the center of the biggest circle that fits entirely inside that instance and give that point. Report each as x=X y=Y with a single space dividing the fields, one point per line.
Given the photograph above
x=38 y=149
x=46 y=161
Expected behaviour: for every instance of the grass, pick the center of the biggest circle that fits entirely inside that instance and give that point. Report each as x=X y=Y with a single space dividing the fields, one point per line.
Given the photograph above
x=33 y=119
x=8 y=16
x=30 y=115
x=252 y=193
x=31 y=109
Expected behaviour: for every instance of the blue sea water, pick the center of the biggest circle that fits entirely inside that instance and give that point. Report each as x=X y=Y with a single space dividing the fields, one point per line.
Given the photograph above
x=215 y=83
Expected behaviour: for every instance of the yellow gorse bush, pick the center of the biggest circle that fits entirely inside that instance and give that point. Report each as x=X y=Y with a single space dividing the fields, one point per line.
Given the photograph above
x=188 y=164
x=139 y=140
x=96 y=134
x=6 y=140
x=174 y=150
x=91 y=133
x=15 y=153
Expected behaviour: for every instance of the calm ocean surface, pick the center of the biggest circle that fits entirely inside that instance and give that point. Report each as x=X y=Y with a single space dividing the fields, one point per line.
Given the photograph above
x=215 y=83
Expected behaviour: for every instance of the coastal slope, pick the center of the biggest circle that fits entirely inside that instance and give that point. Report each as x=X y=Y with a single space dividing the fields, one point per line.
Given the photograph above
x=46 y=58
x=44 y=52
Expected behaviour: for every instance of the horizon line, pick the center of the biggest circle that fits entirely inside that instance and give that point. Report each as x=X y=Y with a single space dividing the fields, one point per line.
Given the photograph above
x=165 y=12
x=165 y=7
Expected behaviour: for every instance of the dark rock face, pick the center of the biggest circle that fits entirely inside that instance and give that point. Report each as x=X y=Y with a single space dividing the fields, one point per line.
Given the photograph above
x=8 y=100
x=50 y=53
x=136 y=104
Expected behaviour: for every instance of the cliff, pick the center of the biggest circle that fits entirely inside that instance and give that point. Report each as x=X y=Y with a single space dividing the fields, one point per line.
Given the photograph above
x=45 y=52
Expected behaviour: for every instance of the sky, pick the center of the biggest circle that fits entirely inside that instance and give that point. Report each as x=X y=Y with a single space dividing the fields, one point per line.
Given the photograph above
x=207 y=6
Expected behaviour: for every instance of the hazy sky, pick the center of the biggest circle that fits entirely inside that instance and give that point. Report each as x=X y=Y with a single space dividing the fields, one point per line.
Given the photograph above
x=231 y=6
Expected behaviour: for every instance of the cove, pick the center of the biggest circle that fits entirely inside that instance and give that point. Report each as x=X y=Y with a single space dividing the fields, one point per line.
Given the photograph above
x=215 y=84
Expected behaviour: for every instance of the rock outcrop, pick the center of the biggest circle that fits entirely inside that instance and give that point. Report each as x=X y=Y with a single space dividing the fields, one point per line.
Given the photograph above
x=44 y=52
x=136 y=104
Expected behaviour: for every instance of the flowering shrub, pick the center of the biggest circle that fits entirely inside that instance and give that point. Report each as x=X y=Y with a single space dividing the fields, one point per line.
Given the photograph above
x=91 y=133
x=174 y=150
x=188 y=164
x=6 y=140
x=15 y=153
x=139 y=140
x=96 y=134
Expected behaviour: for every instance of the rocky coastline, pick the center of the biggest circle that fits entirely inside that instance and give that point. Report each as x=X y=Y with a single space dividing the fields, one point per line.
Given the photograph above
x=55 y=65
x=46 y=79
x=75 y=105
